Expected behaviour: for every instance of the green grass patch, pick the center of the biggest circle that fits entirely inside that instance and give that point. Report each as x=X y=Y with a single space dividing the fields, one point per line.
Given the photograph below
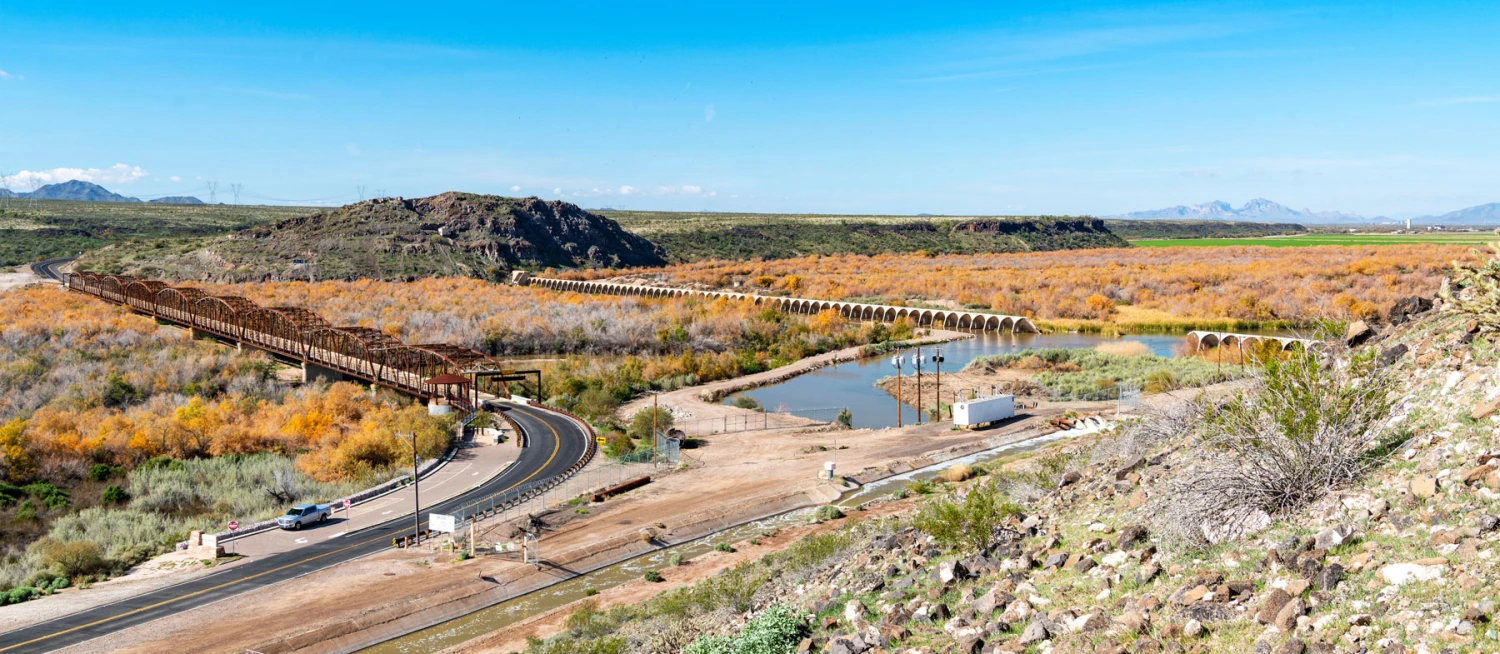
x=1310 y=240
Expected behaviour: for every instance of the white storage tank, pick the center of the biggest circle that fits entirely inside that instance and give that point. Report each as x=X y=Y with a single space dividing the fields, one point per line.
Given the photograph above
x=983 y=410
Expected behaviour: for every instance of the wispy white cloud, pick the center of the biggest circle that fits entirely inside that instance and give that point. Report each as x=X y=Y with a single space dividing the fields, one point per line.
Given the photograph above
x=116 y=174
x=1472 y=99
x=175 y=178
x=627 y=189
x=513 y=189
x=4 y=75
x=708 y=114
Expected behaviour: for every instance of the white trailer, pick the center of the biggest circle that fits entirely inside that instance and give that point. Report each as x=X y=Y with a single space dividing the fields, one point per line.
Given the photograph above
x=983 y=410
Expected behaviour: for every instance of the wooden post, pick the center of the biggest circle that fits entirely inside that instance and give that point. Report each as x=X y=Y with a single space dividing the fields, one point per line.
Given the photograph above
x=471 y=538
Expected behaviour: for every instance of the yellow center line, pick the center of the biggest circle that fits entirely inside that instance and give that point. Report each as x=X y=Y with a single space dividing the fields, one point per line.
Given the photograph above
x=556 y=446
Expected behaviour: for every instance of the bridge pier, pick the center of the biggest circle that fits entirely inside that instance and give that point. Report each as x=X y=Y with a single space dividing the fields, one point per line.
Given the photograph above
x=312 y=372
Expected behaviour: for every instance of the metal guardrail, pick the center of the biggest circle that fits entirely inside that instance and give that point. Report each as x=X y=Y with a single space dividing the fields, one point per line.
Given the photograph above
x=498 y=503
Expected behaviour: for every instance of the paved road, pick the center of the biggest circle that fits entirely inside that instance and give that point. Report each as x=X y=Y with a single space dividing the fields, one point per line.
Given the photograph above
x=554 y=443
x=49 y=268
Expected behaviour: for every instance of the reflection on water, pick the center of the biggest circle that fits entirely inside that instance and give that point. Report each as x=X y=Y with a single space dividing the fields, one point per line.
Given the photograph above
x=852 y=384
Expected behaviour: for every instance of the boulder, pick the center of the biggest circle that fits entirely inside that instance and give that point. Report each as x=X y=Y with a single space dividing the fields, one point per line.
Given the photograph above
x=1405 y=573
x=1272 y=605
x=1357 y=333
x=1286 y=618
x=1330 y=576
x=1034 y=633
x=1131 y=535
x=1423 y=486
x=1407 y=307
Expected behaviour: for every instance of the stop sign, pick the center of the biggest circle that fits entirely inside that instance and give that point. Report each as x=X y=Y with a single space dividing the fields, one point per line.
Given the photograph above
x=233 y=525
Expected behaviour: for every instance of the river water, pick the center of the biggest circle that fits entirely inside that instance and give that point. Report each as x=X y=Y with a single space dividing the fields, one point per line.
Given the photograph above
x=851 y=385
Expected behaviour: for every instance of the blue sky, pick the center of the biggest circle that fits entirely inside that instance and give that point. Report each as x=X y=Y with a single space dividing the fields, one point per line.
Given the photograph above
x=993 y=108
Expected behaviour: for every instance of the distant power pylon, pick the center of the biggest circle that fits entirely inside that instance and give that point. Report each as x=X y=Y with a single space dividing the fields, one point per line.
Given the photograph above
x=213 y=189
x=235 y=189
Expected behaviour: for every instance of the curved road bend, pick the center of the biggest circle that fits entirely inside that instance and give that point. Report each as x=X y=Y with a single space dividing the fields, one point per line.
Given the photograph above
x=49 y=268
x=554 y=443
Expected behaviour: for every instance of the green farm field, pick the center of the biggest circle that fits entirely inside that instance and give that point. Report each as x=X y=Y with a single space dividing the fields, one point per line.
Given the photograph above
x=1305 y=240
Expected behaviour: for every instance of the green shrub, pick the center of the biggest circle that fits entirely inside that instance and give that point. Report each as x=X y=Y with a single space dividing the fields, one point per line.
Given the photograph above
x=25 y=511
x=115 y=495
x=777 y=630
x=641 y=422
x=103 y=471
x=652 y=576
x=968 y=524
x=828 y=512
x=53 y=497
x=747 y=402
x=675 y=559
x=845 y=418
x=71 y=559
x=10 y=494
x=723 y=547
x=21 y=594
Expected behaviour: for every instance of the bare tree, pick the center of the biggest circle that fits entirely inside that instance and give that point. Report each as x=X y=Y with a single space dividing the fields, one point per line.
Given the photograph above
x=235 y=189
x=213 y=189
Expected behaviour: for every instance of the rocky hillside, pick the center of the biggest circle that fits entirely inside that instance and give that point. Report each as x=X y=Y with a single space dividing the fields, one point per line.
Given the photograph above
x=1376 y=532
x=453 y=234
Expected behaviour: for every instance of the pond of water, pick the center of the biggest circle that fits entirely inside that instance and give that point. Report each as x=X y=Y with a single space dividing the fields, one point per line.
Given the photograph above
x=851 y=385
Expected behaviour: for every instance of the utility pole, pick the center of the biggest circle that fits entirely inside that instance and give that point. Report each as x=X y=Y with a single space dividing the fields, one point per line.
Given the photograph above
x=896 y=361
x=916 y=360
x=416 y=494
x=653 y=429
x=937 y=360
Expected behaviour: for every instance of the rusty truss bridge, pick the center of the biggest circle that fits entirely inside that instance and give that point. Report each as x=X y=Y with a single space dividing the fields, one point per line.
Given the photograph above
x=433 y=371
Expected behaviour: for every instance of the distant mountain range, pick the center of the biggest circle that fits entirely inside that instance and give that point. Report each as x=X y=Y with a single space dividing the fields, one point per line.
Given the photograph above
x=89 y=192
x=1484 y=214
x=1258 y=210
x=1265 y=211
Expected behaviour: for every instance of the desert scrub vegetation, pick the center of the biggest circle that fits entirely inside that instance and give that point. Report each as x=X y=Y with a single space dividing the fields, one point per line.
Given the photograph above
x=1073 y=373
x=1310 y=423
x=1224 y=284
x=673 y=621
x=120 y=432
x=57 y=228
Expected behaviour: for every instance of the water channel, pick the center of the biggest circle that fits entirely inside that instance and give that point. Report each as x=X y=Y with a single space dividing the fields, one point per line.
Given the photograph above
x=851 y=385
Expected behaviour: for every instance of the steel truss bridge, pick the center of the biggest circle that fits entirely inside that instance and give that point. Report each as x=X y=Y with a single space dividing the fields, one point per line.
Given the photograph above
x=299 y=334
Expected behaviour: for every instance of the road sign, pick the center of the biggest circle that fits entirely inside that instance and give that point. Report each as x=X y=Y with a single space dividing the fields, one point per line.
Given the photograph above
x=234 y=525
x=346 y=504
x=599 y=440
x=441 y=523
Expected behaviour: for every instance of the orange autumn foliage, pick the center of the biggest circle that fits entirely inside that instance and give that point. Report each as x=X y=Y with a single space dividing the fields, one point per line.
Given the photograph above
x=1245 y=283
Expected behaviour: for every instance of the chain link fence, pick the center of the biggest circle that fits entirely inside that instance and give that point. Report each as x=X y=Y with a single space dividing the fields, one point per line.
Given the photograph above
x=757 y=420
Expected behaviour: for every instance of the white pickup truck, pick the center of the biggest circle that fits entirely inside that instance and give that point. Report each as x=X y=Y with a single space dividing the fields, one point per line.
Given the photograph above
x=303 y=514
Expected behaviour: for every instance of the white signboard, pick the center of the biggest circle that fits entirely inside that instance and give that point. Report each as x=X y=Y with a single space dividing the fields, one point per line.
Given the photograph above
x=441 y=523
